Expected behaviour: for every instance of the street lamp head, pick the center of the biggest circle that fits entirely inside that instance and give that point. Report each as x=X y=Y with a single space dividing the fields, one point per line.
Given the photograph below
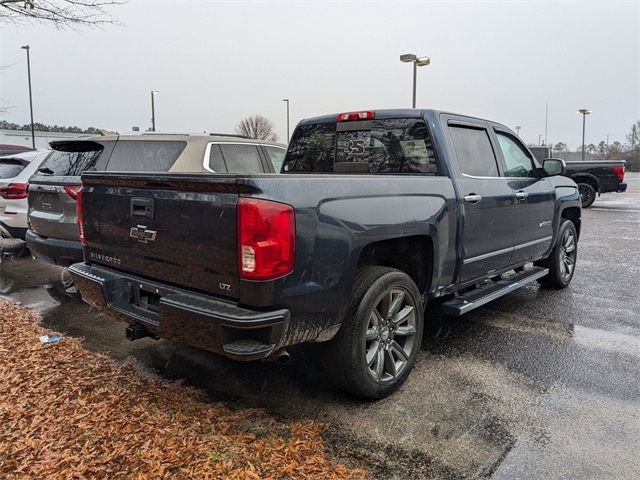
x=408 y=58
x=154 y=92
x=25 y=47
x=285 y=99
x=422 y=61
x=584 y=111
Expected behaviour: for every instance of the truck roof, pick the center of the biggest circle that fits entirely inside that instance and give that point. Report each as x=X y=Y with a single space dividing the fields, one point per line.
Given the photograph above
x=395 y=113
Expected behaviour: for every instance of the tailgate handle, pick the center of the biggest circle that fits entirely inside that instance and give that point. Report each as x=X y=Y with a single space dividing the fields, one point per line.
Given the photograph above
x=142 y=207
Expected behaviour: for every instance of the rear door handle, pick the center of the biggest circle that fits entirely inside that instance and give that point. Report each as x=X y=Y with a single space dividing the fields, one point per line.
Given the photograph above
x=521 y=195
x=472 y=198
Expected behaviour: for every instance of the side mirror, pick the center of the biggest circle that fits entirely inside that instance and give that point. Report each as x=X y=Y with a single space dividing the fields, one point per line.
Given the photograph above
x=554 y=166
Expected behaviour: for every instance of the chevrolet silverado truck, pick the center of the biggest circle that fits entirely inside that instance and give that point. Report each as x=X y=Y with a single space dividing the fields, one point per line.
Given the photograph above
x=376 y=214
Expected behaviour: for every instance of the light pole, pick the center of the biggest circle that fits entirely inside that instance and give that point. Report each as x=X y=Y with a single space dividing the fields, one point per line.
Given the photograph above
x=417 y=62
x=287 y=100
x=33 y=134
x=584 y=112
x=153 y=110
x=518 y=128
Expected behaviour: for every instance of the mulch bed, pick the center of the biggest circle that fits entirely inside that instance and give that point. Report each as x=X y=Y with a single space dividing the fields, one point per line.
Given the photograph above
x=68 y=413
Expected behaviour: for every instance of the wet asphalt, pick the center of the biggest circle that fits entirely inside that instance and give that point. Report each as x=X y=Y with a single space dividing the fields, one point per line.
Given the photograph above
x=538 y=384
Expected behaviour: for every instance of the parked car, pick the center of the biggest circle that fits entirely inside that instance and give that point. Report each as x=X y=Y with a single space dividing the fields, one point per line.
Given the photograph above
x=376 y=214
x=15 y=171
x=597 y=177
x=53 y=234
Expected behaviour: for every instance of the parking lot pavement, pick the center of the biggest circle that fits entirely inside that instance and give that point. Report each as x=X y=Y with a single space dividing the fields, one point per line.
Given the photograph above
x=538 y=384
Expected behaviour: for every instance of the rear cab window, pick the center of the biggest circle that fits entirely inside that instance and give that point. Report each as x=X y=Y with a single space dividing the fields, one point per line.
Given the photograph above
x=377 y=146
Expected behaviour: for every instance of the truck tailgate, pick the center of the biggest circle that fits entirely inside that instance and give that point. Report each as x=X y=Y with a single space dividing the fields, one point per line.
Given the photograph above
x=180 y=229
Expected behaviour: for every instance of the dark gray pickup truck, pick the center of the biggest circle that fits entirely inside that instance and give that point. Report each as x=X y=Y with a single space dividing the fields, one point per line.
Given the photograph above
x=375 y=214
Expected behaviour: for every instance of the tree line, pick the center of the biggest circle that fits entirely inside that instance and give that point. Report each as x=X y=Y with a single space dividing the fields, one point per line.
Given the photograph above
x=603 y=149
x=41 y=127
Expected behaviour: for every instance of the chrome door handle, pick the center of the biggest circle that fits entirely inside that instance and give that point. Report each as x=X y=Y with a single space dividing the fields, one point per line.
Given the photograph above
x=472 y=198
x=521 y=195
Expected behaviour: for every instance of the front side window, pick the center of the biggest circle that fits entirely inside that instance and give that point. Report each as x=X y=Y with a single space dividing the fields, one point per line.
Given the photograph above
x=241 y=158
x=518 y=162
x=144 y=155
x=474 y=152
x=276 y=157
x=400 y=145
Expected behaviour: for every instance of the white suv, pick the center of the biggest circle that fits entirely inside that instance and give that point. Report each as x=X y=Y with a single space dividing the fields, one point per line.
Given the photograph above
x=15 y=171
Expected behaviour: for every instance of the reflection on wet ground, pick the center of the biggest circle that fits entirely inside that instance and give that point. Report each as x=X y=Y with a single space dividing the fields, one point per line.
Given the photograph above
x=539 y=384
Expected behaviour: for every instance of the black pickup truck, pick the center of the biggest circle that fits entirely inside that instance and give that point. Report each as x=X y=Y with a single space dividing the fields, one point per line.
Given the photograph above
x=375 y=214
x=593 y=177
x=597 y=177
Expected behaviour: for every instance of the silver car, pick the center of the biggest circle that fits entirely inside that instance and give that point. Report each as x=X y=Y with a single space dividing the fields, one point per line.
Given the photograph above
x=52 y=234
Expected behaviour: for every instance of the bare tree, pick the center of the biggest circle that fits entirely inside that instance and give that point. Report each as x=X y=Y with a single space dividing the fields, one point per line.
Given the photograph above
x=257 y=127
x=61 y=13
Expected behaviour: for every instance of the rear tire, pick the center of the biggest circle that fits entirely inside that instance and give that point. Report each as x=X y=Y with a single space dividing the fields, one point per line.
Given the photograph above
x=380 y=337
x=562 y=261
x=587 y=194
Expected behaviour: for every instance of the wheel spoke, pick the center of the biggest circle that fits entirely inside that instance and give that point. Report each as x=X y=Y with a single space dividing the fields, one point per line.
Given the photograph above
x=405 y=331
x=372 y=353
x=403 y=315
x=385 y=305
x=395 y=346
x=396 y=304
x=376 y=317
x=390 y=363
x=379 y=364
x=372 y=334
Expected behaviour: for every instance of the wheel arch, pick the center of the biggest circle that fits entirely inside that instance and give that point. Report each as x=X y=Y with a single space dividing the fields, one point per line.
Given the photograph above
x=413 y=255
x=587 y=178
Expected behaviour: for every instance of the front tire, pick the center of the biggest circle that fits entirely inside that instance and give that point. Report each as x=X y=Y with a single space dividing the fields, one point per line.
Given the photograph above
x=562 y=261
x=380 y=337
x=587 y=194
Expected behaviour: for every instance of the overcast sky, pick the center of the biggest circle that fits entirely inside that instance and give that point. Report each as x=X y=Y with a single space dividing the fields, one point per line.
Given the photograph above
x=215 y=63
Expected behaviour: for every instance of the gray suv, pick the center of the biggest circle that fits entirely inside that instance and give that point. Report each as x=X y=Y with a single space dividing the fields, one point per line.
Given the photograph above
x=52 y=235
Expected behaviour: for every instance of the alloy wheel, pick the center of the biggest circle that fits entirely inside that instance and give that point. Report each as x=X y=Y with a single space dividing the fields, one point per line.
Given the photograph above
x=390 y=334
x=568 y=253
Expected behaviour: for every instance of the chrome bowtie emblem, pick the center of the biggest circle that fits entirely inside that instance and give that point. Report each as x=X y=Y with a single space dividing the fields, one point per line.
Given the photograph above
x=140 y=233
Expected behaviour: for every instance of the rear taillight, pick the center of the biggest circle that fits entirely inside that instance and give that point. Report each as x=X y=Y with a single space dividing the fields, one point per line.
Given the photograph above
x=72 y=190
x=351 y=116
x=266 y=239
x=15 y=191
x=619 y=171
x=80 y=215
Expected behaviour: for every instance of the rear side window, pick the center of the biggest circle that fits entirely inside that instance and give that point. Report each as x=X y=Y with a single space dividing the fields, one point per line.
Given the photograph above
x=73 y=158
x=10 y=168
x=216 y=162
x=276 y=157
x=241 y=158
x=474 y=152
x=144 y=155
x=401 y=145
